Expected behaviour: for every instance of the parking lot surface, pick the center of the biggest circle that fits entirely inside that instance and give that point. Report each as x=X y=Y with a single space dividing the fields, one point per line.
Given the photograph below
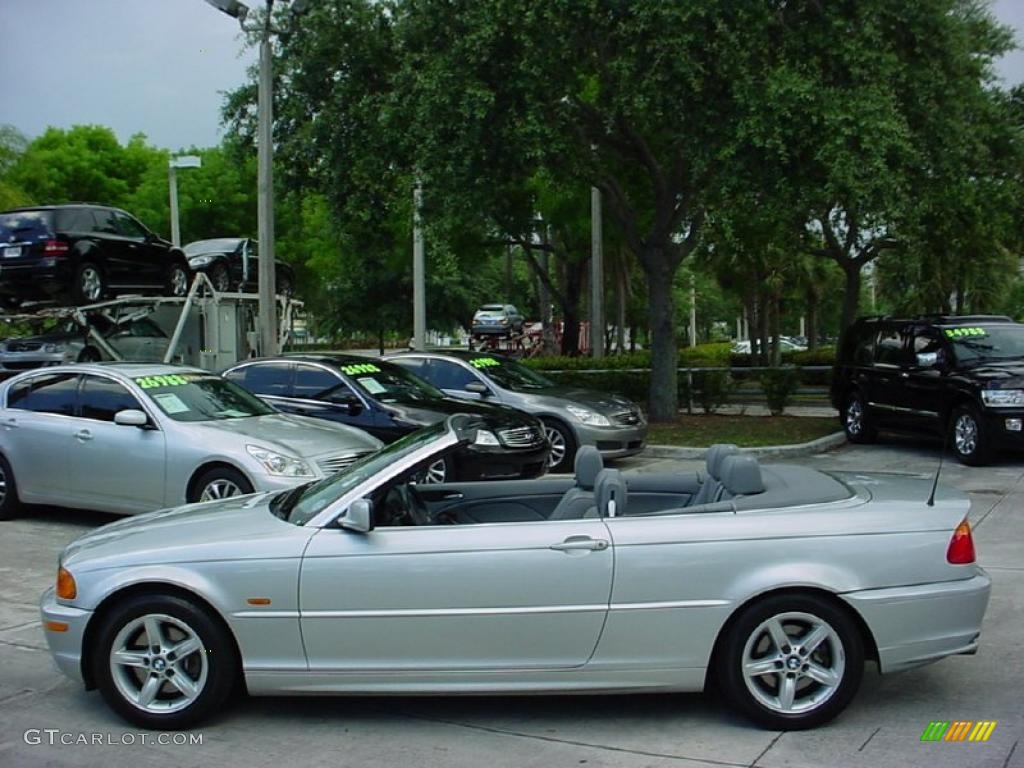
x=883 y=726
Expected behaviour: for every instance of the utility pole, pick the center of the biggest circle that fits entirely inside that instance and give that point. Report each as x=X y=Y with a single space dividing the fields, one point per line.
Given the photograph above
x=419 y=299
x=693 y=311
x=265 y=204
x=186 y=161
x=597 y=323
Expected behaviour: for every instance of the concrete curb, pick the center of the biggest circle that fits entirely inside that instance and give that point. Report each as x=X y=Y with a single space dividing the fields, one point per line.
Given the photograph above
x=820 y=445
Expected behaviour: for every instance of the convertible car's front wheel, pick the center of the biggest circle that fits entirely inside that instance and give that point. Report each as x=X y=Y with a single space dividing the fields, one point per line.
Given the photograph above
x=792 y=661
x=163 y=663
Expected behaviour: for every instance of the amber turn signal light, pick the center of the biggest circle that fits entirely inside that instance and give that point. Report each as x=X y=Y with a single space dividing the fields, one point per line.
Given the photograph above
x=66 y=589
x=56 y=626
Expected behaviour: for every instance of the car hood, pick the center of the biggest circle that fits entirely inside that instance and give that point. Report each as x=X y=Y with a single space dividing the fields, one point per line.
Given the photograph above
x=559 y=397
x=1008 y=375
x=229 y=529
x=428 y=412
x=298 y=436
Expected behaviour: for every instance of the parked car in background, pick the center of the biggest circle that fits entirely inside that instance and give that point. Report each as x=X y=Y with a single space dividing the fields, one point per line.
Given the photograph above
x=958 y=377
x=133 y=437
x=572 y=416
x=232 y=264
x=136 y=340
x=786 y=344
x=497 y=319
x=370 y=583
x=389 y=402
x=84 y=253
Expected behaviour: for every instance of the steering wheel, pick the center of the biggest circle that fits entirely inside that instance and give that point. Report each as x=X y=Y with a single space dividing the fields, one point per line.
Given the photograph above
x=416 y=510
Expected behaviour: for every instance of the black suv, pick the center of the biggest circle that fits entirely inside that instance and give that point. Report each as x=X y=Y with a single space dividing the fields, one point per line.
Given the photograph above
x=959 y=377
x=84 y=253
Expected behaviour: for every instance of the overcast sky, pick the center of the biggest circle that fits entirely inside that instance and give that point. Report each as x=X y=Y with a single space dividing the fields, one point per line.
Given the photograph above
x=159 y=66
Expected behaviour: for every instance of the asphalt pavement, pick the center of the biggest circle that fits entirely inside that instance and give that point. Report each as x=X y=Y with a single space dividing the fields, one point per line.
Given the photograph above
x=48 y=720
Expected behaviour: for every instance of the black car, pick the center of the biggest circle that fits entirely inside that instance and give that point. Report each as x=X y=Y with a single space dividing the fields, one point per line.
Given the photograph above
x=231 y=263
x=388 y=402
x=958 y=377
x=84 y=253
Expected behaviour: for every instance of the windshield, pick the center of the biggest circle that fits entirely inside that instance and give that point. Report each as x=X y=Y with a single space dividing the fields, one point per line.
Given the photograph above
x=302 y=504
x=988 y=343
x=390 y=383
x=201 y=397
x=221 y=245
x=509 y=374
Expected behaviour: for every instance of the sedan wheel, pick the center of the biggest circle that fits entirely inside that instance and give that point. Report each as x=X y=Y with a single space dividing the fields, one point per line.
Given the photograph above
x=219 y=483
x=219 y=489
x=163 y=662
x=220 y=278
x=563 y=447
x=438 y=472
x=792 y=662
x=9 y=504
x=177 y=281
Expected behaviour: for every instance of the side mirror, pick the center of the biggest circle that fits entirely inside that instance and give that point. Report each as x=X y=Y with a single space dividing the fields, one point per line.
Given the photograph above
x=927 y=359
x=131 y=417
x=346 y=401
x=478 y=388
x=358 y=517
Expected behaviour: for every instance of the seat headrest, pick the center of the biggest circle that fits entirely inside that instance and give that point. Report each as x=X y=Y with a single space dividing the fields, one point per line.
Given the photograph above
x=716 y=455
x=588 y=464
x=741 y=475
x=610 y=493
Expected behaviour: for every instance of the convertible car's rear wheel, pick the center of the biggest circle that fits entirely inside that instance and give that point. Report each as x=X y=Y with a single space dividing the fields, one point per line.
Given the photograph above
x=162 y=662
x=792 y=661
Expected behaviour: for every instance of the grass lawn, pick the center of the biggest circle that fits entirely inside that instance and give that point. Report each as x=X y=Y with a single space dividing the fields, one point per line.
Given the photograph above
x=744 y=431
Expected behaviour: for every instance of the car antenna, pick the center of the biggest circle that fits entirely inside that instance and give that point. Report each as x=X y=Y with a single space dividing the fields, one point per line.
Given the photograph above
x=935 y=482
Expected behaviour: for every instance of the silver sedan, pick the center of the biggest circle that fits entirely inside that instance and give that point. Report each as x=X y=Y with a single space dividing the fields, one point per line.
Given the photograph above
x=132 y=438
x=776 y=582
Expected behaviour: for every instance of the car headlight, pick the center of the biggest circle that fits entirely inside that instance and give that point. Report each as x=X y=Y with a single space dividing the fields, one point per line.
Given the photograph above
x=51 y=348
x=483 y=437
x=200 y=261
x=1003 y=398
x=278 y=464
x=587 y=416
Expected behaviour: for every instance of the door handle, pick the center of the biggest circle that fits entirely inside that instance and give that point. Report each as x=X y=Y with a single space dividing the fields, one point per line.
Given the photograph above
x=11 y=423
x=577 y=543
x=83 y=435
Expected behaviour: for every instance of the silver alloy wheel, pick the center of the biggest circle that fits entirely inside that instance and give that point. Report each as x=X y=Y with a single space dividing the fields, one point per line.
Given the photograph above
x=557 y=440
x=91 y=284
x=965 y=434
x=854 y=417
x=3 y=485
x=158 y=663
x=179 y=281
x=219 y=489
x=793 y=662
x=435 y=473
x=221 y=279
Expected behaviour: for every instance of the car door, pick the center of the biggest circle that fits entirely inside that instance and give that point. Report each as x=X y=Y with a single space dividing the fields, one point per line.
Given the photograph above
x=113 y=467
x=147 y=257
x=321 y=392
x=924 y=380
x=116 y=256
x=271 y=381
x=885 y=390
x=502 y=596
x=37 y=425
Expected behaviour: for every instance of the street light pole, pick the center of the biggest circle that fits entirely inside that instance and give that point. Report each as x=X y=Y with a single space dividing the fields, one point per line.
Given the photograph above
x=187 y=161
x=596 y=275
x=419 y=286
x=265 y=202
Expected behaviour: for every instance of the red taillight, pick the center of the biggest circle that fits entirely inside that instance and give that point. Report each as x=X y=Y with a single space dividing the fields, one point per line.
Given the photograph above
x=55 y=248
x=961 y=546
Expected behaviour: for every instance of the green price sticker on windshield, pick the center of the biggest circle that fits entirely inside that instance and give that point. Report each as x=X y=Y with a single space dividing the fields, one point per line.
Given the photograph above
x=963 y=333
x=171 y=380
x=483 y=362
x=355 y=370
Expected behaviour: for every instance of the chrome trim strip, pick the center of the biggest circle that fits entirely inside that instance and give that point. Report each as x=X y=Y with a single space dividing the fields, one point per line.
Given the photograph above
x=901 y=409
x=669 y=604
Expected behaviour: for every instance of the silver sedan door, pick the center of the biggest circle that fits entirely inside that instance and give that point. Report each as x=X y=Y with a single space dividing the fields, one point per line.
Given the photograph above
x=117 y=468
x=471 y=597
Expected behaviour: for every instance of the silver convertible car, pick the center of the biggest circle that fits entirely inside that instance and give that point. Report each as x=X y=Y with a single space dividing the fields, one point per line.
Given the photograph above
x=777 y=583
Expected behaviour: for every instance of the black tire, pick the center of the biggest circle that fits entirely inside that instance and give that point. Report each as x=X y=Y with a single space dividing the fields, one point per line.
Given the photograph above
x=219 y=475
x=212 y=669
x=856 y=419
x=968 y=436
x=562 y=441
x=176 y=280
x=90 y=284
x=220 y=277
x=89 y=354
x=839 y=656
x=10 y=506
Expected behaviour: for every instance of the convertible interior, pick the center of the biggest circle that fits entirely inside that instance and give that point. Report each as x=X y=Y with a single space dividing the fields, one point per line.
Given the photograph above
x=732 y=482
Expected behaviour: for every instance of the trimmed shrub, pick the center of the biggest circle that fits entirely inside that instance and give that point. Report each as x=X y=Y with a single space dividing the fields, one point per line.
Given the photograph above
x=713 y=388
x=779 y=385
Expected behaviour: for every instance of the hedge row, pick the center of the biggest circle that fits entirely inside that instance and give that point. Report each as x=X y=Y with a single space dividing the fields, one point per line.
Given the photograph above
x=718 y=355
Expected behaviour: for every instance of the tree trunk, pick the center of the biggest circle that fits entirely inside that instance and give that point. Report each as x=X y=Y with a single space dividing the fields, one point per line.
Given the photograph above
x=762 y=329
x=851 y=297
x=663 y=403
x=620 y=324
x=775 y=320
x=571 y=292
x=812 y=320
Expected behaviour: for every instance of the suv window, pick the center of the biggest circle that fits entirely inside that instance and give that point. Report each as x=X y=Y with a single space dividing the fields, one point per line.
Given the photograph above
x=445 y=374
x=927 y=343
x=75 y=220
x=889 y=349
x=19 y=226
x=129 y=227
x=50 y=393
x=101 y=398
x=264 y=378
x=105 y=223
x=313 y=383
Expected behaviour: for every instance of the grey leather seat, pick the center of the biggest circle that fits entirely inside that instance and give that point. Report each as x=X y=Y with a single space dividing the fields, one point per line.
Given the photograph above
x=610 y=495
x=578 y=499
x=741 y=476
x=711 y=488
